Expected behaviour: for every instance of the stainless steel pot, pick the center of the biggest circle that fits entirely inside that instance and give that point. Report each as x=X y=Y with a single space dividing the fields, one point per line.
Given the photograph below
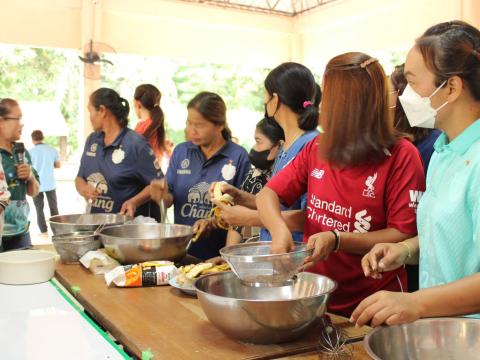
x=65 y=224
x=263 y=315
x=134 y=243
x=426 y=339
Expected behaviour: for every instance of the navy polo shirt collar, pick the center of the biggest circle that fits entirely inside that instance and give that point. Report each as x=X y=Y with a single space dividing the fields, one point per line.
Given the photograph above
x=223 y=150
x=118 y=140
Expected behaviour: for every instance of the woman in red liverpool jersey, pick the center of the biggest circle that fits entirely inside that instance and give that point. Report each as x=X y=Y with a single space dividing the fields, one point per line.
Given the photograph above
x=362 y=178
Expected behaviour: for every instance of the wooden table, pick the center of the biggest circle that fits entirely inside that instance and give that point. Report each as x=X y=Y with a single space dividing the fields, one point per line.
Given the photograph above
x=171 y=325
x=359 y=353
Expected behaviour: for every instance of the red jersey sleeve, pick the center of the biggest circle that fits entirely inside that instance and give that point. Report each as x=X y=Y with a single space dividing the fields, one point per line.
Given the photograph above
x=291 y=182
x=405 y=187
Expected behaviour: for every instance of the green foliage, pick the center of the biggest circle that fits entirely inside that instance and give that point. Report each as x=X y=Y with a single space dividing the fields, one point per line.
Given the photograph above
x=239 y=86
x=36 y=74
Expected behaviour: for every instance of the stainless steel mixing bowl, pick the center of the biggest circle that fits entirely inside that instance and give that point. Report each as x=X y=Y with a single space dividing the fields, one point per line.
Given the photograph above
x=263 y=315
x=426 y=339
x=135 y=243
x=65 y=224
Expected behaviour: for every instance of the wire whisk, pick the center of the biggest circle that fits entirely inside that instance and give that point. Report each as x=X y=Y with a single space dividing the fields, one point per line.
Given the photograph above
x=333 y=341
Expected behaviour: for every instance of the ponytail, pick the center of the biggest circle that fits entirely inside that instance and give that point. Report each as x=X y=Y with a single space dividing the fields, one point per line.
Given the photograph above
x=227 y=133
x=308 y=119
x=149 y=96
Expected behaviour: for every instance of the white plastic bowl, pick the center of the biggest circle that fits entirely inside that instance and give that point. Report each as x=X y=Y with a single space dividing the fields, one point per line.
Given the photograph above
x=23 y=267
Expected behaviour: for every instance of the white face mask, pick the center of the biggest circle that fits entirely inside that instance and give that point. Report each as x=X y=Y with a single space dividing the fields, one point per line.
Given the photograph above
x=419 y=109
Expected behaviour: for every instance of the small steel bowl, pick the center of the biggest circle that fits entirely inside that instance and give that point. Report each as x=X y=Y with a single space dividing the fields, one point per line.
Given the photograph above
x=426 y=339
x=71 y=247
x=263 y=315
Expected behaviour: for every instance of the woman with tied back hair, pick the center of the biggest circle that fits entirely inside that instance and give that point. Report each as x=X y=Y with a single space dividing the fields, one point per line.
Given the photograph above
x=291 y=100
x=358 y=175
x=443 y=73
x=209 y=156
x=117 y=164
x=152 y=122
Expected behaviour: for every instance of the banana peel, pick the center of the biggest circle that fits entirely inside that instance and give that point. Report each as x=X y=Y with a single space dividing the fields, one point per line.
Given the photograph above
x=216 y=212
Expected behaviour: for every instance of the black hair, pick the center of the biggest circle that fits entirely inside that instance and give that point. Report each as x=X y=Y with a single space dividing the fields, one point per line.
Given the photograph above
x=117 y=105
x=37 y=135
x=271 y=130
x=212 y=107
x=318 y=95
x=6 y=104
x=453 y=49
x=149 y=96
x=295 y=86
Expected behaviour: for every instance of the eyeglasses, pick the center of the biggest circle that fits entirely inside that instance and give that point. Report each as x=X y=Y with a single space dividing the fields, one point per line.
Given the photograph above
x=10 y=118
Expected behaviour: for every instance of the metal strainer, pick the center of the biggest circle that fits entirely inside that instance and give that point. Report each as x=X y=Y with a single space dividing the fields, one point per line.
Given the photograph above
x=254 y=264
x=71 y=247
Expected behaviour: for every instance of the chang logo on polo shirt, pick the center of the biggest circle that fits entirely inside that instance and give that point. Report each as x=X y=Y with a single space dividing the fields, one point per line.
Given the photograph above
x=97 y=181
x=93 y=150
x=184 y=165
x=198 y=203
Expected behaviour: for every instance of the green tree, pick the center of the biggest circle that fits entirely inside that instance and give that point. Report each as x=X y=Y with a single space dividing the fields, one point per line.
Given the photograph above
x=239 y=86
x=37 y=74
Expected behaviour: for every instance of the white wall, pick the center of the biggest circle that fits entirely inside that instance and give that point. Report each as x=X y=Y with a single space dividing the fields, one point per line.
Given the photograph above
x=370 y=26
x=153 y=27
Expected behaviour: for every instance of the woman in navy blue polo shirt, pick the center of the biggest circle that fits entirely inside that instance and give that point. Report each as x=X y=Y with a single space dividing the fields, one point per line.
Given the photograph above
x=117 y=164
x=209 y=156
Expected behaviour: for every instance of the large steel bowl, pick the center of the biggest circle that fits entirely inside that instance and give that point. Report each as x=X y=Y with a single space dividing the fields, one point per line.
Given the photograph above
x=66 y=224
x=135 y=243
x=263 y=315
x=426 y=339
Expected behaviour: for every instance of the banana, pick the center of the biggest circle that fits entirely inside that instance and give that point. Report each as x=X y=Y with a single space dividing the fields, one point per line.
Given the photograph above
x=190 y=272
x=218 y=195
x=197 y=270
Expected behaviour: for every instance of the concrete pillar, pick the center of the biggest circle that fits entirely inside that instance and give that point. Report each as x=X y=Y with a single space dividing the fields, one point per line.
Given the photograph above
x=91 y=30
x=296 y=42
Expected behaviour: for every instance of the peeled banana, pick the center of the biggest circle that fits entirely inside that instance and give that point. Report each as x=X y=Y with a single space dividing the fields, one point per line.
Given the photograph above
x=218 y=195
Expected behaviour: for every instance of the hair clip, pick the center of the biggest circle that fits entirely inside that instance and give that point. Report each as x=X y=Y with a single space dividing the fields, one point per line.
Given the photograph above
x=476 y=53
x=364 y=64
x=307 y=104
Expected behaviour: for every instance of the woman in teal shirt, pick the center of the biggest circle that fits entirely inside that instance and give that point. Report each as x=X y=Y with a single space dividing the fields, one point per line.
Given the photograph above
x=443 y=73
x=21 y=177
